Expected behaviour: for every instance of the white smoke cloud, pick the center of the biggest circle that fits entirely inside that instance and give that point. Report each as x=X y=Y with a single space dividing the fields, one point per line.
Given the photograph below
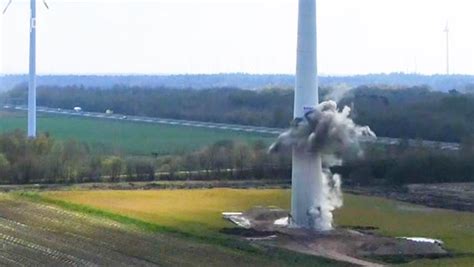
x=331 y=133
x=325 y=130
x=338 y=92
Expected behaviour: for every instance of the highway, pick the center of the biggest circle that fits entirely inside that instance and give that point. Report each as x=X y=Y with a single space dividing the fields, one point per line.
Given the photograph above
x=154 y=120
x=219 y=126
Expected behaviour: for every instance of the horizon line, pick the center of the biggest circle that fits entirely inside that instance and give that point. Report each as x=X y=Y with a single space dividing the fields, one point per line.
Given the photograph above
x=230 y=73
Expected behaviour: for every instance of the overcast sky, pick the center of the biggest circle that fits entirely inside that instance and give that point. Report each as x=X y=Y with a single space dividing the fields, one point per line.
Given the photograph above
x=255 y=36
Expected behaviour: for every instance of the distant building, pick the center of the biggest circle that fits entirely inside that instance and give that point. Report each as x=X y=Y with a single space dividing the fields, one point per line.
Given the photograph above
x=454 y=92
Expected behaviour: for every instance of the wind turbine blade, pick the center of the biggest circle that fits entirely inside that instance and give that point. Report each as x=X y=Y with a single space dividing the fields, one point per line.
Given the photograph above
x=45 y=4
x=6 y=7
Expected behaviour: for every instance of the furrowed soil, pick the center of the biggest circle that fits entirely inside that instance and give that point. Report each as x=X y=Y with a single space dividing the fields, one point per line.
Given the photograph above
x=36 y=234
x=455 y=196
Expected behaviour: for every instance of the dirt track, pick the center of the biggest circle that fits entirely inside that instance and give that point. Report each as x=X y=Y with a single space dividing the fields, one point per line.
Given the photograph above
x=455 y=196
x=40 y=235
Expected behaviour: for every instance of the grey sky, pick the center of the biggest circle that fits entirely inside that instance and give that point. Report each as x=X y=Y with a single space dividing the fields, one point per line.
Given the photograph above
x=256 y=36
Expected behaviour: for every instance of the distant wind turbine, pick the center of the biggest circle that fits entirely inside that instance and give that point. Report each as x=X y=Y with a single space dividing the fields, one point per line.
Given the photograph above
x=446 y=30
x=32 y=68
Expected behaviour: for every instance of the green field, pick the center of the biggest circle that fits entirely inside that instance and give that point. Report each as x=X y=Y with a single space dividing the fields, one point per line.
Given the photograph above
x=198 y=212
x=128 y=137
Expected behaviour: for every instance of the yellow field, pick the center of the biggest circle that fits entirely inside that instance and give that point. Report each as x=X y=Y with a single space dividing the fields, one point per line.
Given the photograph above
x=187 y=210
x=199 y=212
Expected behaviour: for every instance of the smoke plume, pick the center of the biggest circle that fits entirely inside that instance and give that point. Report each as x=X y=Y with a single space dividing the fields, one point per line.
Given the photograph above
x=330 y=132
x=338 y=92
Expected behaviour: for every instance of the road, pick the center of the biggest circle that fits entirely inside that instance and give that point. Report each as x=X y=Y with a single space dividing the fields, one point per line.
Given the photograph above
x=222 y=126
x=210 y=125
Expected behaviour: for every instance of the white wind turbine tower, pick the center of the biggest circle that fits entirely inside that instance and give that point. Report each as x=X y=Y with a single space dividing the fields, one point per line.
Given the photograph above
x=307 y=180
x=32 y=69
x=446 y=30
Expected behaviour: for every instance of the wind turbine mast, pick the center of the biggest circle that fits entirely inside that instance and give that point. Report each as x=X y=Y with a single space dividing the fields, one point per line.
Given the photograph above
x=32 y=74
x=446 y=30
x=307 y=180
x=32 y=68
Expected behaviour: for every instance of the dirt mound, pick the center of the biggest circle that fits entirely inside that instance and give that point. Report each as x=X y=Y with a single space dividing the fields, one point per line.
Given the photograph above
x=341 y=244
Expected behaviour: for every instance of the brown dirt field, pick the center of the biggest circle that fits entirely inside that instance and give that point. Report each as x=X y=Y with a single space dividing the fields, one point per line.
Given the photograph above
x=33 y=234
x=455 y=196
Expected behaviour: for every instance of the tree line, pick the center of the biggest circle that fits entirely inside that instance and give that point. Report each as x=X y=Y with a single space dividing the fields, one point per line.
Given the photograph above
x=227 y=105
x=403 y=164
x=241 y=80
x=47 y=160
